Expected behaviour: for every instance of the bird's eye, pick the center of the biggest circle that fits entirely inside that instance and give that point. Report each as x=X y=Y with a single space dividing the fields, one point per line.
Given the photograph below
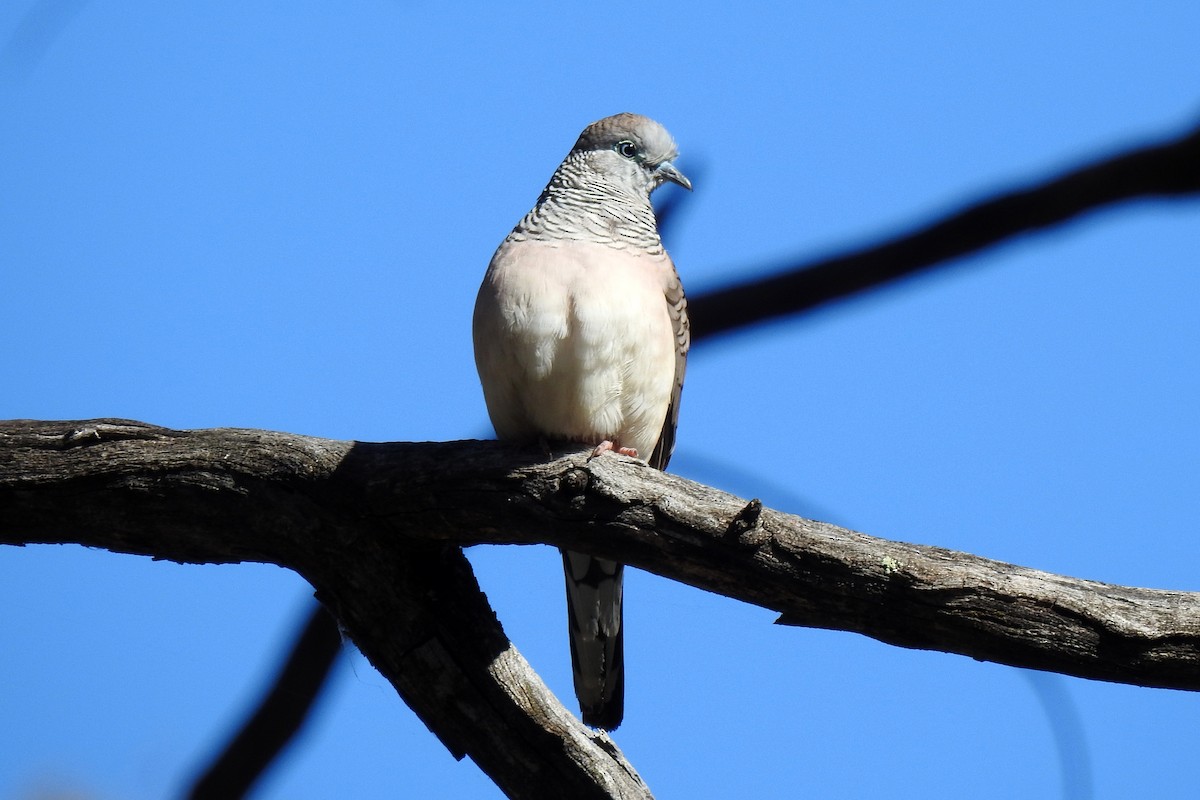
x=626 y=148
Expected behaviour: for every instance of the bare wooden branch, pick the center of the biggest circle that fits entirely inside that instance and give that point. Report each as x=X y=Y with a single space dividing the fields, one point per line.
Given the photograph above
x=377 y=529
x=411 y=605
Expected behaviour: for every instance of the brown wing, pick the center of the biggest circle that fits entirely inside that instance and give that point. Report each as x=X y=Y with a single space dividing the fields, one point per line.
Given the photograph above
x=677 y=306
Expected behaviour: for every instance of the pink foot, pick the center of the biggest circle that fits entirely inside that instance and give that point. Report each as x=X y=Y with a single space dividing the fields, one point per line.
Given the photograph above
x=607 y=445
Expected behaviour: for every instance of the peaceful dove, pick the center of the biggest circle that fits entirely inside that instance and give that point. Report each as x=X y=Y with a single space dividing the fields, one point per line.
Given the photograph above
x=581 y=334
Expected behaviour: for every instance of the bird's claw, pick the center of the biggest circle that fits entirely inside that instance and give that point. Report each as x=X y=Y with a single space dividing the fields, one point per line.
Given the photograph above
x=607 y=446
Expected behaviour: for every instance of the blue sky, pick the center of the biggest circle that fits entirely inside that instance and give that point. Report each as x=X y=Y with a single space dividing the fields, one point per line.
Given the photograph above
x=276 y=215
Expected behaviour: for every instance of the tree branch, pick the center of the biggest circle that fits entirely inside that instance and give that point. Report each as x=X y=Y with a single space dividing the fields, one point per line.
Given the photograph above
x=278 y=716
x=412 y=605
x=1166 y=169
x=377 y=526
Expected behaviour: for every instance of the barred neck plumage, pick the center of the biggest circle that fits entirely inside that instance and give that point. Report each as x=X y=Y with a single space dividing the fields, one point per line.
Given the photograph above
x=582 y=205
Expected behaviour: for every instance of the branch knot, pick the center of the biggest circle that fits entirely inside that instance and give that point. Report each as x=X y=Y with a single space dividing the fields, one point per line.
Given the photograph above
x=745 y=527
x=574 y=482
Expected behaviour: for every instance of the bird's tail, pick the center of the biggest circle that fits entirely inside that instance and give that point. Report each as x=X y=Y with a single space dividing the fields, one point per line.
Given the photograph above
x=594 y=588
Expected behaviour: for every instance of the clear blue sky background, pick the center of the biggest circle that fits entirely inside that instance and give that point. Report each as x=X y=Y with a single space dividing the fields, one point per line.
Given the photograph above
x=276 y=215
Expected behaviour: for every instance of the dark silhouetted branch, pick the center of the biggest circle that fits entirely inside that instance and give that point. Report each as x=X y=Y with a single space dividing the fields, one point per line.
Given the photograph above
x=278 y=716
x=1169 y=169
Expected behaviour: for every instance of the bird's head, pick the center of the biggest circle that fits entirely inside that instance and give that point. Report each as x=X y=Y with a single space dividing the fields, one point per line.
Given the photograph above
x=633 y=150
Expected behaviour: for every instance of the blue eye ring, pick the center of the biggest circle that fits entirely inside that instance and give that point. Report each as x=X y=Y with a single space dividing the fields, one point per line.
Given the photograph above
x=626 y=148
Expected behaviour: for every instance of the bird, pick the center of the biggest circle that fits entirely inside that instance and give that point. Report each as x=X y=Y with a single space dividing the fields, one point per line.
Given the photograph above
x=581 y=335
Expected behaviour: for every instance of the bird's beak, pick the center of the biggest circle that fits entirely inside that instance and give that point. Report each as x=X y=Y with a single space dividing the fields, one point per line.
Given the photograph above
x=668 y=172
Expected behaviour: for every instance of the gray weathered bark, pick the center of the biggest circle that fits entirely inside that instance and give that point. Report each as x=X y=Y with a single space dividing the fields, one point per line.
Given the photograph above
x=377 y=529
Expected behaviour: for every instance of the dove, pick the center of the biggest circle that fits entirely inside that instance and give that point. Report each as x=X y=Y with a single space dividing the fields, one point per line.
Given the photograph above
x=581 y=335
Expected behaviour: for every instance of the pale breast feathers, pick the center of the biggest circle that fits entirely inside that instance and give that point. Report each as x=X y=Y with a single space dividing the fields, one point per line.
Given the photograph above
x=576 y=346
